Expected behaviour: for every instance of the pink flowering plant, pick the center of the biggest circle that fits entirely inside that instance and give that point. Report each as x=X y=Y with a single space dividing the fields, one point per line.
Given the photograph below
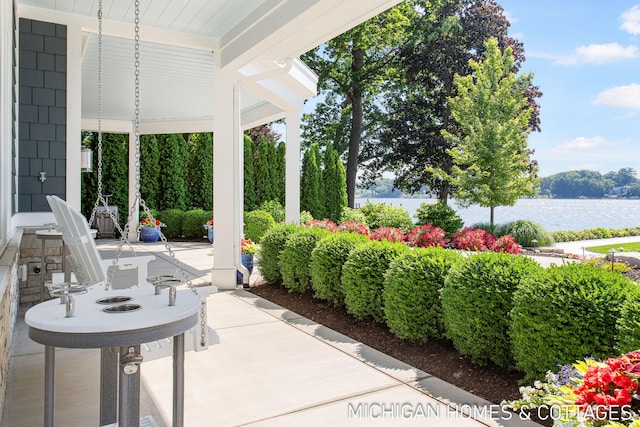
x=325 y=224
x=473 y=239
x=506 y=244
x=354 y=227
x=391 y=234
x=427 y=235
x=588 y=393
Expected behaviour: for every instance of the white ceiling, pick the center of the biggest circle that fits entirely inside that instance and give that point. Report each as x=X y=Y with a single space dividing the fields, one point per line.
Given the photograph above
x=181 y=40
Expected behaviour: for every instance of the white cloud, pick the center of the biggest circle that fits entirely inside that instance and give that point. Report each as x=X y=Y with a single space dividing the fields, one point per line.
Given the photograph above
x=631 y=20
x=620 y=96
x=579 y=145
x=599 y=54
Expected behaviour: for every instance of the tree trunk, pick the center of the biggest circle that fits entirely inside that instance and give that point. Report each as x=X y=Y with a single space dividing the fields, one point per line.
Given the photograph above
x=491 y=218
x=356 y=127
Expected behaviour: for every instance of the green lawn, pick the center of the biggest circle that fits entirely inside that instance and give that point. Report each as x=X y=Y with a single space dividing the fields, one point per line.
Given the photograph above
x=627 y=247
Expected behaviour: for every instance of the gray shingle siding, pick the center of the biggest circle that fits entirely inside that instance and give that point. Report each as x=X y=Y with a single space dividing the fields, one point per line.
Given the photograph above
x=42 y=112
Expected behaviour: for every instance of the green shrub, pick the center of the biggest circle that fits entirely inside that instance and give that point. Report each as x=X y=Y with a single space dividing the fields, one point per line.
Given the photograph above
x=379 y=214
x=440 y=215
x=524 y=232
x=411 y=294
x=484 y=226
x=349 y=214
x=256 y=223
x=275 y=209
x=565 y=314
x=271 y=247
x=295 y=265
x=193 y=221
x=363 y=277
x=327 y=260
x=628 y=326
x=172 y=219
x=593 y=233
x=305 y=217
x=476 y=300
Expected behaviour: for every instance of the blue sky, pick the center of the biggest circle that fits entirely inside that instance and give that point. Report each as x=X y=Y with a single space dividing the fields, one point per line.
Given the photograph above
x=585 y=56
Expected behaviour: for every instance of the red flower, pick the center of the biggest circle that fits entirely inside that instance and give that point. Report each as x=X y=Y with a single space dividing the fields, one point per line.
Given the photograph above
x=354 y=227
x=391 y=234
x=427 y=235
x=325 y=224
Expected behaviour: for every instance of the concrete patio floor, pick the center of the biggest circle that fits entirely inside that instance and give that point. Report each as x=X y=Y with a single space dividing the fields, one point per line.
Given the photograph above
x=268 y=366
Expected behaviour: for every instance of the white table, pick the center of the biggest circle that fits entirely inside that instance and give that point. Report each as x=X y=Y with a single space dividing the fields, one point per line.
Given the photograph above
x=92 y=327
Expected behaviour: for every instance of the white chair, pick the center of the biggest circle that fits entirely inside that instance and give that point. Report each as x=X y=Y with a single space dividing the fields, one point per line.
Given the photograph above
x=85 y=260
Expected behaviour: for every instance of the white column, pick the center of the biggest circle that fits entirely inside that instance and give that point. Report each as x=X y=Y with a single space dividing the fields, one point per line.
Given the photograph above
x=226 y=130
x=74 y=115
x=6 y=117
x=292 y=174
x=133 y=200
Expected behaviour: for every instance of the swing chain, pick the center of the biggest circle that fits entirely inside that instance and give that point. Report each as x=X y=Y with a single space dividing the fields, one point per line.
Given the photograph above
x=139 y=201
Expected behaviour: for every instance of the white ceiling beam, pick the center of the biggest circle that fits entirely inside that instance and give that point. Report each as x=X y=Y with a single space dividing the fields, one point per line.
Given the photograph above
x=120 y=29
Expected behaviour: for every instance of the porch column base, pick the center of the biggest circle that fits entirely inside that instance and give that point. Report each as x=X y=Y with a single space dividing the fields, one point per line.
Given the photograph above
x=224 y=278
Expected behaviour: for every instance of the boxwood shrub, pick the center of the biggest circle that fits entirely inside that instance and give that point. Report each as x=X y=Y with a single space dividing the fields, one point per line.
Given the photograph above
x=271 y=246
x=172 y=219
x=327 y=260
x=628 y=327
x=193 y=222
x=440 y=215
x=411 y=293
x=565 y=314
x=476 y=300
x=363 y=277
x=256 y=223
x=295 y=258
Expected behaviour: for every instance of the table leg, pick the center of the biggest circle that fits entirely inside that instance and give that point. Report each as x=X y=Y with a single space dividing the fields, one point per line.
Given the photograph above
x=49 y=385
x=178 y=380
x=108 y=386
x=43 y=269
x=128 y=392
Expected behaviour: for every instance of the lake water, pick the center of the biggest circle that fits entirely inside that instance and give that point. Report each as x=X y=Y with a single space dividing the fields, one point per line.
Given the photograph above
x=551 y=214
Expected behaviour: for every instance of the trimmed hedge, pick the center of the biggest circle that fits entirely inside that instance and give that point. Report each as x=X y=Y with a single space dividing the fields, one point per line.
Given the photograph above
x=411 y=294
x=565 y=314
x=193 y=222
x=476 y=300
x=327 y=259
x=628 y=326
x=271 y=246
x=256 y=223
x=295 y=258
x=593 y=233
x=363 y=277
x=172 y=219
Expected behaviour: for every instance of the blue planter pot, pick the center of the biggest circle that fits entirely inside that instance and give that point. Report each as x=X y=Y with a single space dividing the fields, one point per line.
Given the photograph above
x=210 y=234
x=247 y=261
x=149 y=234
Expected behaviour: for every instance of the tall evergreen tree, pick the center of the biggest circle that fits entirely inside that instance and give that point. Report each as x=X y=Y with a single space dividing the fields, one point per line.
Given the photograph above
x=310 y=184
x=491 y=163
x=282 y=170
x=200 y=171
x=149 y=169
x=250 y=194
x=173 y=178
x=335 y=185
x=320 y=212
x=115 y=173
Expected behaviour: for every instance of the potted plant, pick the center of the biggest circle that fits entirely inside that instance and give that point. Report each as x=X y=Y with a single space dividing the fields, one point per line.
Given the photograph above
x=209 y=227
x=247 y=250
x=149 y=230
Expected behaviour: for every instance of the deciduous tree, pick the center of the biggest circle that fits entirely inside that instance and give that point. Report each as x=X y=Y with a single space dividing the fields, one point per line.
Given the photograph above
x=491 y=163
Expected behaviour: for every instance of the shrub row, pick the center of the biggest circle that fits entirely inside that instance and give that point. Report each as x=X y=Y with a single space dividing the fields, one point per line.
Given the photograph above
x=494 y=307
x=178 y=223
x=593 y=233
